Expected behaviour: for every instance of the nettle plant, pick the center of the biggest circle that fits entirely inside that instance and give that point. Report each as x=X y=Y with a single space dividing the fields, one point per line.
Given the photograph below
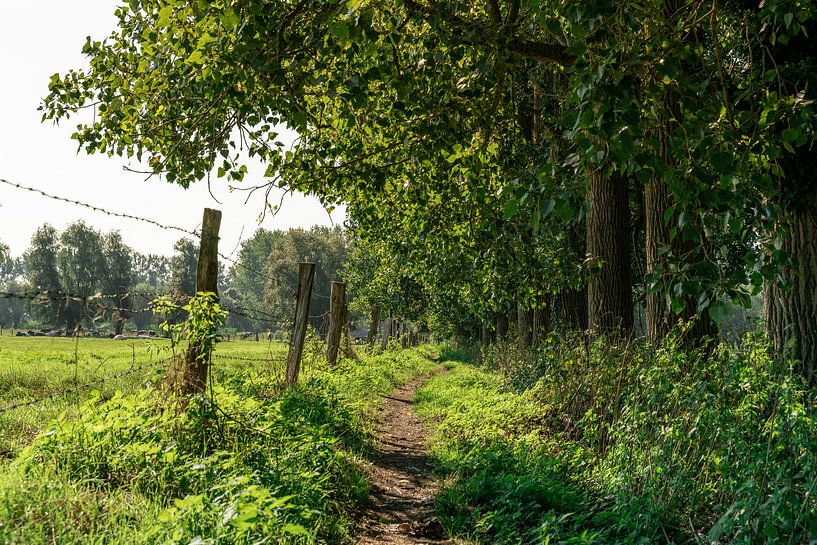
x=204 y=317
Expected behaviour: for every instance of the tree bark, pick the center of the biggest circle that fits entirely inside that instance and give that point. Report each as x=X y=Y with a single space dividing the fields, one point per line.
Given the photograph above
x=541 y=322
x=791 y=315
x=657 y=200
x=609 y=289
x=374 y=322
x=572 y=309
x=523 y=326
x=656 y=236
x=501 y=328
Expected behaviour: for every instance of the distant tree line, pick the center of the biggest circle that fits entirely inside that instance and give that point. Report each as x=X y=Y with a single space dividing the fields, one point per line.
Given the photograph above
x=260 y=282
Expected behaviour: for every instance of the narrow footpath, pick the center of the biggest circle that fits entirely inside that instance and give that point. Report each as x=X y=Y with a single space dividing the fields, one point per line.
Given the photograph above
x=402 y=483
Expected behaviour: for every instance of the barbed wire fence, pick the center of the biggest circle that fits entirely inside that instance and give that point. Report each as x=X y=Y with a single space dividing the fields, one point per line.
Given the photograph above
x=99 y=308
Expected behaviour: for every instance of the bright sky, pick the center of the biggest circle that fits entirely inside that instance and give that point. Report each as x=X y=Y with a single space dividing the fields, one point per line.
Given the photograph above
x=41 y=37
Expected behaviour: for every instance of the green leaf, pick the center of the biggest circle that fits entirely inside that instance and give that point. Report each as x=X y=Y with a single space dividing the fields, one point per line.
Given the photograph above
x=340 y=29
x=295 y=529
x=719 y=312
x=164 y=16
x=511 y=208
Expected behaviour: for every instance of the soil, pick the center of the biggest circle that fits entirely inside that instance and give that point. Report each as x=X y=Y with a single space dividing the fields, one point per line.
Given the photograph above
x=402 y=486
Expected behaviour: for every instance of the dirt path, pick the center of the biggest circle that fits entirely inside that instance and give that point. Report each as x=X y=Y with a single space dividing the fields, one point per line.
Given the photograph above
x=402 y=484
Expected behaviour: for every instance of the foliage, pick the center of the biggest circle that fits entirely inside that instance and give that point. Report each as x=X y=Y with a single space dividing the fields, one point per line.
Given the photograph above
x=455 y=132
x=254 y=463
x=632 y=443
x=265 y=275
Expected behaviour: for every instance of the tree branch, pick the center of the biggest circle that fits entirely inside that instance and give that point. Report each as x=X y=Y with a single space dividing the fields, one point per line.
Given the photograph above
x=542 y=52
x=539 y=51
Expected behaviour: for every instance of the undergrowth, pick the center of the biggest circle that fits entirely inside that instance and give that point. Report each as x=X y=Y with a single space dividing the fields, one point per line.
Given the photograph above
x=252 y=465
x=626 y=443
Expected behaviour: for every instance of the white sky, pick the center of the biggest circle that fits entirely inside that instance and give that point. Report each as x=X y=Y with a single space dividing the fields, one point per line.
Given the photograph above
x=41 y=37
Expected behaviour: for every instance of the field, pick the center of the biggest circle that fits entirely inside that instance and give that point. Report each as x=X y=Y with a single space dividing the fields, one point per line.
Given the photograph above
x=57 y=374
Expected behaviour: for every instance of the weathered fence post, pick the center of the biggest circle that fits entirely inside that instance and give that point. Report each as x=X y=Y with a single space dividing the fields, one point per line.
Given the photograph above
x=306 y=275
x=337 y=302
x=387 y=327
x=374 y=322
x=197 y=364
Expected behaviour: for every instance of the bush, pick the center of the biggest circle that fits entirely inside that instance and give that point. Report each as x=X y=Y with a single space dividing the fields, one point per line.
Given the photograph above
x=657 y=444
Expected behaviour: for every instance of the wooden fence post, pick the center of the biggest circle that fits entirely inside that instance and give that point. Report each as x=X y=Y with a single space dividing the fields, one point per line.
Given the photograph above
x=337 y=301
x=306 y=276
x=197 y=364
x=374 y=322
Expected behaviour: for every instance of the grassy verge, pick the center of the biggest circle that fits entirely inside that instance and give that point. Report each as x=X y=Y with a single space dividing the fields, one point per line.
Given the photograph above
x=253 y=465
x=505 y=483
x=625 y=444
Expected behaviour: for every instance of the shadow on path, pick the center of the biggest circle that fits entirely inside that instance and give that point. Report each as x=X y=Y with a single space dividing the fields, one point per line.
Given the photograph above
x=402 y=484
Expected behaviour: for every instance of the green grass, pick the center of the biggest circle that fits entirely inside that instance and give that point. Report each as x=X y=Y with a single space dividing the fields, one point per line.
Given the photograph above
x=36 y=367
x=625 y=443
x=257 y=464
x=504 y=482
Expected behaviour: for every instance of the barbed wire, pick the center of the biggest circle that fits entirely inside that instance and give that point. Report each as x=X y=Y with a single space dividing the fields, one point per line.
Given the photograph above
x=94 y=304
x=80 y=387
x=243 y=358
x=100 y=209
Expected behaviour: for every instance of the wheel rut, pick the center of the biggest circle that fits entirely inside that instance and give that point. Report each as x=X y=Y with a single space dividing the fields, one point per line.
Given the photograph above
x=402 y=484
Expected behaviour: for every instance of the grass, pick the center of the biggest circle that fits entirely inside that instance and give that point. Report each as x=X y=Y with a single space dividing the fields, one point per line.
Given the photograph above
x=625 y=444
x=256 y=464
x=504 y=483
x=70 y=370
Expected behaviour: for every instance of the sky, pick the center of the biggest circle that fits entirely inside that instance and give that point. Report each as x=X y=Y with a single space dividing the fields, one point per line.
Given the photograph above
x=41 y=37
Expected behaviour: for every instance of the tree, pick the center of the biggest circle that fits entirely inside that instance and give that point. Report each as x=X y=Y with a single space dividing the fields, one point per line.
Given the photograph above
x=118 y=277
x=81 y=265
x=246 y=281
x=43 y=274
x=326 y=247
x=790 y=300
x=183 y=267
x=474 y=120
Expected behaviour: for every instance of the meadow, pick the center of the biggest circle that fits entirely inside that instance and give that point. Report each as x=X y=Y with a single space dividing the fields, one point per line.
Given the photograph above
x=58 y=373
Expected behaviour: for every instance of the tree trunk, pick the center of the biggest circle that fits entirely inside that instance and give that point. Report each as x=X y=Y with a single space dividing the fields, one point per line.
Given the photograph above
x=523 y=326
x=572 y=309
x=609 y=288
x=501 y=328
x=791 y=315
x=657 y=232
x=541 y=322
x=374 y=321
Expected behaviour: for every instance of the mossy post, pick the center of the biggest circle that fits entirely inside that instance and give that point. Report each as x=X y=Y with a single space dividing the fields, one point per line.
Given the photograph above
x=337 y=302
x=197 y=368
x=306 y=276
